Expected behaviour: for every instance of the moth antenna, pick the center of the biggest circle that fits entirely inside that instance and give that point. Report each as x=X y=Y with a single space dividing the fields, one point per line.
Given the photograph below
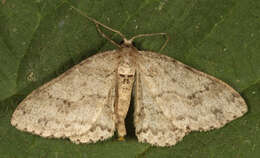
x=106 y=37
x=152 y=34
x=126 y=41
x=103 y=25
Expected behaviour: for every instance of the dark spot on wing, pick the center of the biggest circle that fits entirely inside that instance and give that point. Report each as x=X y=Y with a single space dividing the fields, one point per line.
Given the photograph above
x=188 y=68
x=211 y=127
x=216 y=111
x=201 y=129
x=173 y=80
x=92 y=130
x=193 y=118
x=191 y=96
x=67 y=125
x=236 y=95
x=206 y=88
x=180 y=118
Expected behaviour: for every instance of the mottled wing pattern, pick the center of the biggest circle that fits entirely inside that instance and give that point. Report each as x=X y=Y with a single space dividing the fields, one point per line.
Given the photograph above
x=77 y=105
x=173 y=99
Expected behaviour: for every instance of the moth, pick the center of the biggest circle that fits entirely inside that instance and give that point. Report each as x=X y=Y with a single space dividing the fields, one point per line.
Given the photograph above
x=89 y=102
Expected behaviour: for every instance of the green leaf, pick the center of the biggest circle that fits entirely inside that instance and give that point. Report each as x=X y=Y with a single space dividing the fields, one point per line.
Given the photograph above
x=39 y=40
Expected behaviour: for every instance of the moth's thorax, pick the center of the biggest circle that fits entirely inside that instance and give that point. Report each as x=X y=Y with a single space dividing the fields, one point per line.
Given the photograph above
x=125 y=83
x=126 y=72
